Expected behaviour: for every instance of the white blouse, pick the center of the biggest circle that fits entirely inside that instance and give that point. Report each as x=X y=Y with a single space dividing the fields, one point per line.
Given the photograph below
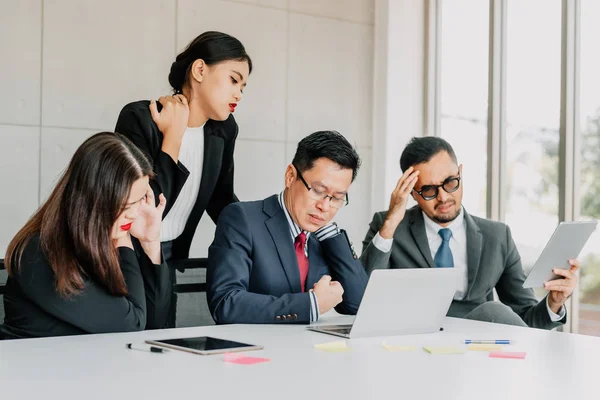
x=191 y=155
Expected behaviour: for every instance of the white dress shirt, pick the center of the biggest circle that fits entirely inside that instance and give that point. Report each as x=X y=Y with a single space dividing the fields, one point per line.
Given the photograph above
x=458 y=247
x=191 y=155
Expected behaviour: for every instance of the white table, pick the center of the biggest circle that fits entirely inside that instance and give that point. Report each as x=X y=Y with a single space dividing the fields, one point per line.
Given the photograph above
x=558 y=366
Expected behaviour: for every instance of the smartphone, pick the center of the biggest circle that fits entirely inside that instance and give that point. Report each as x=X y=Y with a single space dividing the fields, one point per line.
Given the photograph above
x=204 y=345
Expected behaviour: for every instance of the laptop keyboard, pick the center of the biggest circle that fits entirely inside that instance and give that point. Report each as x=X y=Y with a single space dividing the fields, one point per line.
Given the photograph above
x=342 y=329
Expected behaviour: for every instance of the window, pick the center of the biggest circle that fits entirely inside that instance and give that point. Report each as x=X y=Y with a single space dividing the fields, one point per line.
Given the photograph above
x=532 y=124
x=464 y=93
x=589 y=193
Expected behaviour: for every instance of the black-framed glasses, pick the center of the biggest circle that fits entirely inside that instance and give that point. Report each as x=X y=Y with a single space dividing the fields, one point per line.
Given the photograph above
x=430 y=192
x=315 y=194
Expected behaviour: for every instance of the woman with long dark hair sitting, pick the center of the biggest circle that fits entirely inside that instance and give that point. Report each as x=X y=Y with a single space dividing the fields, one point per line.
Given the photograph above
x=89 y=260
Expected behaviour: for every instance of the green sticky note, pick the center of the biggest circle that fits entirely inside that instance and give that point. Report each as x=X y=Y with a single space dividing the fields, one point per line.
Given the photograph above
x=333 y=347
x=443 y=350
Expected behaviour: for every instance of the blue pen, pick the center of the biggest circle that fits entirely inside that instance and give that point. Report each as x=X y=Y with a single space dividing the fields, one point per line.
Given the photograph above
x=488 y=341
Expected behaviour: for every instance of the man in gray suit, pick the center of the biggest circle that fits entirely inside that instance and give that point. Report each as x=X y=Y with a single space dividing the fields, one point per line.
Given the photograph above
x=439 y=233
x=282 y=259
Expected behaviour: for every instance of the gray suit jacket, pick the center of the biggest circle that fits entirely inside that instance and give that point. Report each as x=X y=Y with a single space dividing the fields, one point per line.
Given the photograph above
x=492 y=258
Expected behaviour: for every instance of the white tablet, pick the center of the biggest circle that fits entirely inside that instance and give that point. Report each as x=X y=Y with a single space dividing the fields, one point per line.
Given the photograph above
x=565 y=244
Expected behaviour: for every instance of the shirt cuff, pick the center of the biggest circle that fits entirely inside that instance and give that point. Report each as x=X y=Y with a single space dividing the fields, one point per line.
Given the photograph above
x=383 y=245
x=314 y=309
x=553 y=316
x=328 y=231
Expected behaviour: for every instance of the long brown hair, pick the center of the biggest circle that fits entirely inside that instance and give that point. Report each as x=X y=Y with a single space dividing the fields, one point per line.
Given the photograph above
x=75 y=222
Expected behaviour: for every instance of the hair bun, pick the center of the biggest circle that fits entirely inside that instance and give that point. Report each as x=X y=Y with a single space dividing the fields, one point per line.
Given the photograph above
x=177 y=75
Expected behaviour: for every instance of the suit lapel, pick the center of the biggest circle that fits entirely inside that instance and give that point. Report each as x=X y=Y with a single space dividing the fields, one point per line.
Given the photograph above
x=417 y=229
x=474 y=246
x=211 y=165
x=279 y=229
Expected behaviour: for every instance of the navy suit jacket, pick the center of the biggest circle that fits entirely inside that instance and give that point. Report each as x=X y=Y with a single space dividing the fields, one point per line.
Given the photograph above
x=253 y=274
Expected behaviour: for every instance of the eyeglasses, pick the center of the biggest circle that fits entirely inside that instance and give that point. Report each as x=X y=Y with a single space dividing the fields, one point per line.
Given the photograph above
x=315 y=194
x=430 y=192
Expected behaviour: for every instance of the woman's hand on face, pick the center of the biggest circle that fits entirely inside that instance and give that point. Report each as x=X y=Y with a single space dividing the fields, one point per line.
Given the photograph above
x=172 y=120
x=147 y=224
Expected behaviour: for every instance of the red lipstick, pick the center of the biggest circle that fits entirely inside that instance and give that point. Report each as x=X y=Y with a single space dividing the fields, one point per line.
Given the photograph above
x=232 y=106
x=126 y=227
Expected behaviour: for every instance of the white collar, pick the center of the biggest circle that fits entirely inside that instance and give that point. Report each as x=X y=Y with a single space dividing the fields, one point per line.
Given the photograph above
x=294 y=228
x=457 y=226
x=195 y=128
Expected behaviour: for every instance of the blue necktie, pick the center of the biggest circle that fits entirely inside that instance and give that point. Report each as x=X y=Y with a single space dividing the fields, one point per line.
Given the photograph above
x=443 y=257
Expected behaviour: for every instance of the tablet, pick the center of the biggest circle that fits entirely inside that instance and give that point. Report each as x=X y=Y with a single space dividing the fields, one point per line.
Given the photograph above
x=204 y=345
x=565 y=244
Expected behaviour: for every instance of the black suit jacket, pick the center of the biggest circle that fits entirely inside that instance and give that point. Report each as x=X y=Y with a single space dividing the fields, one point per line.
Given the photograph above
x=253 y=274
x=216 y=185
x=493 y=261
x=33 y=308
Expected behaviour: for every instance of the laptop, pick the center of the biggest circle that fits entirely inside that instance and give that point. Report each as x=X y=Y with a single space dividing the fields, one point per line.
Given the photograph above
x=400 y=302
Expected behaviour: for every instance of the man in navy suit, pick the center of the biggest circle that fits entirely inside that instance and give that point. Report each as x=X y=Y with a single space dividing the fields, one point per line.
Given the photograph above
x=281 y=259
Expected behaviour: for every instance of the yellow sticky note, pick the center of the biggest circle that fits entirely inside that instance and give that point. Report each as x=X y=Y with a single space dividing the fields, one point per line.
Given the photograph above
x=443 y=350
x=392 y=347
x=333 y=347
x=485 y=347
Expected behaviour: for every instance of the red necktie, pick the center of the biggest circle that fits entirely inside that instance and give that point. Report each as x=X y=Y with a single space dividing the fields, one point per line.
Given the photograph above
x=299 y=244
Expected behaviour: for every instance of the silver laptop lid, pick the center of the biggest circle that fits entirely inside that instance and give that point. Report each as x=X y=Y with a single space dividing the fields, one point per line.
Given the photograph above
x=405 y=301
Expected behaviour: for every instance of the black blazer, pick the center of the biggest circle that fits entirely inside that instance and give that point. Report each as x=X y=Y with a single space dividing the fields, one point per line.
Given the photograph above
x=253 y=275
x=216 y=185
x=33 y=308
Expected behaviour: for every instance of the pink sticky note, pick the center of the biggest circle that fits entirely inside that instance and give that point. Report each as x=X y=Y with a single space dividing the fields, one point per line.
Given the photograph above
x=242 y=359
x=508 y=354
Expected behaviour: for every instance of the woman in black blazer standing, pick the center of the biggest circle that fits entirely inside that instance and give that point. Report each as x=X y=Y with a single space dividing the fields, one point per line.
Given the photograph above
x=190 y=136
x=89 y=260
